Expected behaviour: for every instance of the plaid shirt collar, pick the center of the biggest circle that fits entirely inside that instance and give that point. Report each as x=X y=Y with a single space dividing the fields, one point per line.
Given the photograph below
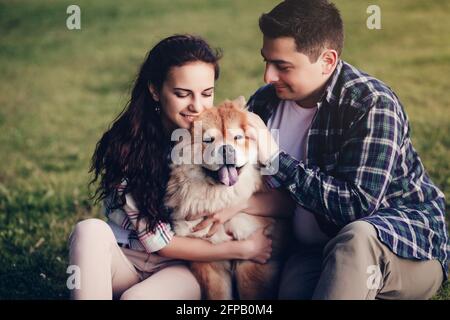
x=329 y=95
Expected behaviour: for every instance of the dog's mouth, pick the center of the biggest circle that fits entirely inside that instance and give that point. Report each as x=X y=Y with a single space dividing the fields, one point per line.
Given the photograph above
x=227 y=174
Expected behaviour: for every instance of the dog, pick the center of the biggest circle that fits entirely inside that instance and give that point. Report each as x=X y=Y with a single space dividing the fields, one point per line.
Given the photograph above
x=227 y=174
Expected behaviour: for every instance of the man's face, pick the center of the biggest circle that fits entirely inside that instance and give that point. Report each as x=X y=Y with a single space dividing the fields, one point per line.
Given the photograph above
x=291 y=72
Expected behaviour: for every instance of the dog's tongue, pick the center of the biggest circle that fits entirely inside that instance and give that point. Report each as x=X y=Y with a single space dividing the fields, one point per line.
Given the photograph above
x=228 y=175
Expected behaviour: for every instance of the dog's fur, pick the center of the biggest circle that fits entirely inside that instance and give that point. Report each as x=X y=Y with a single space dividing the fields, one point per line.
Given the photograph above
x=193 y=189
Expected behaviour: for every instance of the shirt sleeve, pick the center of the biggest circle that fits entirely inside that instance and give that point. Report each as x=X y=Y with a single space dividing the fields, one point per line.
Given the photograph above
x=127 y=218
x=151 y=240
x=364 y=168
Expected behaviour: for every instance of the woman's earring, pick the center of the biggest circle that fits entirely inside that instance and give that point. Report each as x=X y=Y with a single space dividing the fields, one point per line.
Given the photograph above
x=157 y=109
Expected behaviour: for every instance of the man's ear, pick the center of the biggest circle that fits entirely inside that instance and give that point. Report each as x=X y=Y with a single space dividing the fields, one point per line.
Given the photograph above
x=329 y=60
x=240 y=101
x=153 y=92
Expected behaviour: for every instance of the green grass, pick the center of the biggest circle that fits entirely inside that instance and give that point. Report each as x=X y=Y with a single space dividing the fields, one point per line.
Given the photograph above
x=60 y=89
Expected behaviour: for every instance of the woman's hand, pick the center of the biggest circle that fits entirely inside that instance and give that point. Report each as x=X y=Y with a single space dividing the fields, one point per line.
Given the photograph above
x=257 y=130
x=258 y=247
x=215 y=220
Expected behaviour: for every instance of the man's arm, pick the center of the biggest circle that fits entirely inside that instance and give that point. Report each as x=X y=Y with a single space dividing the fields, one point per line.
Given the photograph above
x=363 y=172
x=275 y=203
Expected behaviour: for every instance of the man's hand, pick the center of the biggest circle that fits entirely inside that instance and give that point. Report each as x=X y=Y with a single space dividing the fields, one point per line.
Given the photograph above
x=215 y=220
x=256 y=130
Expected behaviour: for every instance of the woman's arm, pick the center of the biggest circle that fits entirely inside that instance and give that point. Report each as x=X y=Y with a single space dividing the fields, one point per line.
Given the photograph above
x=257 y=248
x=274 y=203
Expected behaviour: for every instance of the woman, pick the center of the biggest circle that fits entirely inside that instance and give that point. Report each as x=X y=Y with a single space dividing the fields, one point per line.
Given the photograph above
x=134 y=255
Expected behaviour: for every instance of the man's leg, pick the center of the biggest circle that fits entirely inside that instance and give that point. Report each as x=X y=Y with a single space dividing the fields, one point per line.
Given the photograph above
x=301 y=274
x=357 y=265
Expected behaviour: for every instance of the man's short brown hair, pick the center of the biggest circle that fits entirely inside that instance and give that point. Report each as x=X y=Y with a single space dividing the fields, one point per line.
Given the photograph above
x=314 y=24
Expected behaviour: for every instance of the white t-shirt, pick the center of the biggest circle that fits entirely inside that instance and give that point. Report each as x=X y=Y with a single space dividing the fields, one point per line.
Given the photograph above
x=293 y=123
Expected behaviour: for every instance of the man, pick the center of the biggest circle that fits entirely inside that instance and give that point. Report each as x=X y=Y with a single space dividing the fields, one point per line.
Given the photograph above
x=369 y=222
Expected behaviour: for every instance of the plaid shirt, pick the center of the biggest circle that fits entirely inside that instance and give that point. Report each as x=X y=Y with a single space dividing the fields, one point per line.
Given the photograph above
x=126 y=216
x=361 y=165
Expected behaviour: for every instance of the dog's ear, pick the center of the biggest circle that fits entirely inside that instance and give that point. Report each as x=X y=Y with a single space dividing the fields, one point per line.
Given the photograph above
x=240 y=101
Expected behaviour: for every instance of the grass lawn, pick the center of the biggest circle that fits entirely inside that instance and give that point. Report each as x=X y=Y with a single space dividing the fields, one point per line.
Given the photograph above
x=60 y=89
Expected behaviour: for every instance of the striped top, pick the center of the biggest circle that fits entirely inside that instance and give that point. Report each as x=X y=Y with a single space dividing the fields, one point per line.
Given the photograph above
x=125 y=217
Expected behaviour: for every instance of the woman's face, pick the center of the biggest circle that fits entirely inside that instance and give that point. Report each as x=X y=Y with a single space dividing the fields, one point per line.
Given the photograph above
x=186 y=92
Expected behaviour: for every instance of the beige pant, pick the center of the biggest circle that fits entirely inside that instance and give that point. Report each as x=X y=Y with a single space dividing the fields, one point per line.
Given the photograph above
x=357 y=265
x=108 y=271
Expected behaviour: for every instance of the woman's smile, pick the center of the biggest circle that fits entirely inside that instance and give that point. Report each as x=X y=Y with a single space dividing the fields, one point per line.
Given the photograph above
x=189 y=117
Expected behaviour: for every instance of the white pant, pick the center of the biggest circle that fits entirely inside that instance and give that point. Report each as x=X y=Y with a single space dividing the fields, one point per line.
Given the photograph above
x=109 y=271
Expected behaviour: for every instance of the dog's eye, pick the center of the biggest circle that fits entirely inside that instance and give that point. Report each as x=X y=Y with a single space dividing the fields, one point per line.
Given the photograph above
x=238 y=137
x=208 y=139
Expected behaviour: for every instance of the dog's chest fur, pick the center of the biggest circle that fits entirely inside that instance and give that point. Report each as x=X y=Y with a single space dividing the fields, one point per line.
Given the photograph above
x=189 y=191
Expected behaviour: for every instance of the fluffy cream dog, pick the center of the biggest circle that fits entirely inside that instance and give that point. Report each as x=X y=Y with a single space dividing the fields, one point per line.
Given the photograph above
x=226 y=174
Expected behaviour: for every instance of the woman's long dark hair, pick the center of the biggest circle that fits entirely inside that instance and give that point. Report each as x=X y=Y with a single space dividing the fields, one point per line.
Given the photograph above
x=135 y=147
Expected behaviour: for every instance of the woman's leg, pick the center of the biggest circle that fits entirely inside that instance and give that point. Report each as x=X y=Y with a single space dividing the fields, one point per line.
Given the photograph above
x=171 y=283
x=104 y=269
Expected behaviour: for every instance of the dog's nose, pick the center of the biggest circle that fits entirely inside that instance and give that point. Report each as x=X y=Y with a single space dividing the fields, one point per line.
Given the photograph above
x=228 y=154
